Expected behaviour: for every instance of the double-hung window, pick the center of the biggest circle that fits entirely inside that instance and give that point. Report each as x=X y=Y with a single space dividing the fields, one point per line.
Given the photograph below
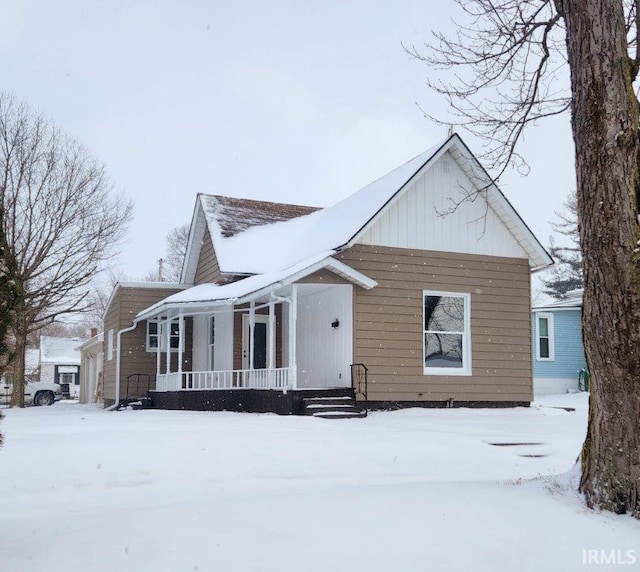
x=157 y=335
x=544 y=337
x=447 y=333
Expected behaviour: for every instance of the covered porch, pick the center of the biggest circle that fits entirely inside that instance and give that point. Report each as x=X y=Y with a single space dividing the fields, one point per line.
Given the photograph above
x=286 y=337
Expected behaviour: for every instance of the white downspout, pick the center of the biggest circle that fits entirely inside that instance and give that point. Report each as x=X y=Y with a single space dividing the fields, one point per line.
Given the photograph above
x=119 y=338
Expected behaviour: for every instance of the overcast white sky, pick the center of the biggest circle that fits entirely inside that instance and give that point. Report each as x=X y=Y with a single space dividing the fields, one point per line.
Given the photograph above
x=294 y=101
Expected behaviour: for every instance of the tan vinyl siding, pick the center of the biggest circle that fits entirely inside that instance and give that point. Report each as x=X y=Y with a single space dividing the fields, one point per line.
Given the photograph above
x=388 y=326
x=134 y=358
x=111 y=322
x=207 y=269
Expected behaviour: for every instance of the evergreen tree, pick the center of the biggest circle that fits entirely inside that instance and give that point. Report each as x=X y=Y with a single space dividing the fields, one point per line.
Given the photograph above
x=566 y=275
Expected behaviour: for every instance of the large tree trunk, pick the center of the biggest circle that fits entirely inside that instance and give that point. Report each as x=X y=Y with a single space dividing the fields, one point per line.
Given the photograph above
x=605 y=132
x=20 y=332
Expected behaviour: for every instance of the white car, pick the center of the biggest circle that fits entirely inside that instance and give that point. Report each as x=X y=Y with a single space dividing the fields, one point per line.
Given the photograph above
x=35 y=393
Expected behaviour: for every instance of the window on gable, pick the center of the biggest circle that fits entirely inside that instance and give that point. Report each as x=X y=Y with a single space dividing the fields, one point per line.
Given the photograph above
x=544 y=337
x=156 y=335
x=447 y=333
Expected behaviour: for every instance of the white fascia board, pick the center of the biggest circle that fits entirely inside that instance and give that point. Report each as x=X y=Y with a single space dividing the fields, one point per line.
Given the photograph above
x=194 y=243
x=154 y=312
x=188 y=250
x=351 y=274
x=110 y=300
x=539 y=258
x=331 y=263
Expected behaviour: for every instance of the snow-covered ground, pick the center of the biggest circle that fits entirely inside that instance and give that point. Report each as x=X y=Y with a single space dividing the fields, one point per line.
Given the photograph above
x=82 y=489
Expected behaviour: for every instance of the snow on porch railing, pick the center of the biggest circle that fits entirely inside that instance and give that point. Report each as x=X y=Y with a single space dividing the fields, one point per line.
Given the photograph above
x=277 y=378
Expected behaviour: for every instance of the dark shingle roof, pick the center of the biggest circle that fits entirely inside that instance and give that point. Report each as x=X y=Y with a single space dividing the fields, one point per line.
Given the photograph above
x=236 y=215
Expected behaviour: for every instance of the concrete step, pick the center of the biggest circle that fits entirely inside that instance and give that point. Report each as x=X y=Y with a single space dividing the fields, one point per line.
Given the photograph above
x=313 y=405
x=327 y=401
x=317 y=408
x=331 y=407
x=340 y=414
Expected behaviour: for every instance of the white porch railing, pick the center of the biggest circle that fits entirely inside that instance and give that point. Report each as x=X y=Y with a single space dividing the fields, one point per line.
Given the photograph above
x=168 y=382
x=277 y=378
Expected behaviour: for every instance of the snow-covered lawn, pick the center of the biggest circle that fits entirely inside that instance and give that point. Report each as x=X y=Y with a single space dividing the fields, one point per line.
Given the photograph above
x=82 y=489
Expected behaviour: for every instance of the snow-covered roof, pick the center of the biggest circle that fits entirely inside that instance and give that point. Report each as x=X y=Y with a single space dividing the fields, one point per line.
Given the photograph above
x=252 y=287
x=256 y=247
x=61 y=351
x=572 y=300
x=262 y=248
x=233 y=215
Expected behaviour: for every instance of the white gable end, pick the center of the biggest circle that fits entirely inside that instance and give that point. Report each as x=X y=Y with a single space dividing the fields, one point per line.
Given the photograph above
x=417 y=219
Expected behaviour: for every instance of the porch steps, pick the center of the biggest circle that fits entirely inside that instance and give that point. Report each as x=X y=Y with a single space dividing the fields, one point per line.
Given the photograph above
x=332 y=408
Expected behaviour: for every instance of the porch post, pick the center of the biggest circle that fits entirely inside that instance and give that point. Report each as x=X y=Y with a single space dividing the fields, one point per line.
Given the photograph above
x=293 y=317
x=168 y=342
x=180 y=341
x=272 y=335
x=252 y=327
x=158 y=351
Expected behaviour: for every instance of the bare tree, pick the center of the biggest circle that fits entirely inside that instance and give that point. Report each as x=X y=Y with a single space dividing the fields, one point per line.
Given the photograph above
x=8 y=301
x=507 y=60
x=62 y=222
x=169 y=268
x=176 y=250
x=101 y=290
x=59 y=329
x=566 y=274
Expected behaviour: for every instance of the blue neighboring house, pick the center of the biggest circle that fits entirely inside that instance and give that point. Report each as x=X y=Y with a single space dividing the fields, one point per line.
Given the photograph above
x=558 y=353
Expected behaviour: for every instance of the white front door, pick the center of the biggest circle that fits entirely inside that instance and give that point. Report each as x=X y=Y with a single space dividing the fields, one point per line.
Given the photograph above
x=260 y=341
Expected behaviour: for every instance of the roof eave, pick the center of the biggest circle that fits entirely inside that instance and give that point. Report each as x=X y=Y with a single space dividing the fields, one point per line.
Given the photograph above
x=339 y=268
x=539 y=258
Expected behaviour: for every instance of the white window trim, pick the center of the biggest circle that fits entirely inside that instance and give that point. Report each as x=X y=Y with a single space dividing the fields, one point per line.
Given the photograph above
x=211 y=342
x=162 y=339
x=549 y=316
x=110 y=345
x=466 y=369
